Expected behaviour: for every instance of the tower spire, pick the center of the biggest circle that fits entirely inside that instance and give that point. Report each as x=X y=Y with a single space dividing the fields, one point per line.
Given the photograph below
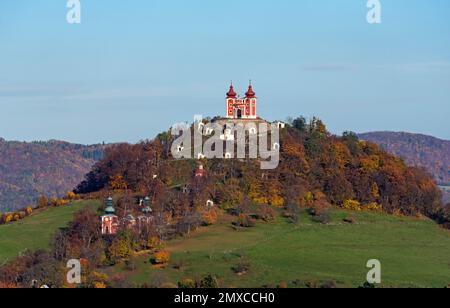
x=231 y=93
x=250 y=93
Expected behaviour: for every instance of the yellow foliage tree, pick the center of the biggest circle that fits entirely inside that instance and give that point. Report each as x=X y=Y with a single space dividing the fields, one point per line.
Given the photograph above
x=117 y=182
x=153 y=242
x=120 y=249
x=373 y=206
x=352 y=205
x=309 y=199
x=8 y=218
x=256 y=194
x=42 y=202
x=71 y=195
x=277 y=201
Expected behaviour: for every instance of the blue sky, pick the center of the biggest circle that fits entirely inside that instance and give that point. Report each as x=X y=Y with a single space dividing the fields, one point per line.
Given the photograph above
x=133 y=68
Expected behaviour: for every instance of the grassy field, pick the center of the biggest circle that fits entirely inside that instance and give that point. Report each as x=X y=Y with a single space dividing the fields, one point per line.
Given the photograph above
x=413 y=253
x=36 y=231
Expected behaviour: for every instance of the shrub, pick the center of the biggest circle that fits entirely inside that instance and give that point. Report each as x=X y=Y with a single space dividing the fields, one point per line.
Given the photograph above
x=320 y=204
x=7 y=285
x=241 y=268
x=209 y=217
x=8 y=218
x=120 y=249
x=99 y=285
x=312 y=284
x=323 y=218
x=72 y=196
x=266 y=213
x=352 y=205
x=293 y=213
x=373 y=206
x=276 y=201
x=209 y=282
x=328 y=285
x=153 y=242
x=161 y=257
x=367 y=285
x=98 y=280
x=58 y=202
x=168 y=285
x=350 y=219
x=42 y=202
x=245 y=221
x=187 y=284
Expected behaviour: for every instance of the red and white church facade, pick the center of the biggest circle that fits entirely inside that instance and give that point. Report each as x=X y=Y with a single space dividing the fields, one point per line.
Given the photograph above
x=241 y=108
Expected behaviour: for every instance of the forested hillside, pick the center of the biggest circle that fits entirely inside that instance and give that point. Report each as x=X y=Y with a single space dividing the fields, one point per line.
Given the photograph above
x=29 y=170
x=316 y=168
x=418 y=150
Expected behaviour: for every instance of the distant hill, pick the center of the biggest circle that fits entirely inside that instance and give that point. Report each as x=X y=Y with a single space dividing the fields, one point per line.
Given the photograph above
x=417 y=150
x=29 y=170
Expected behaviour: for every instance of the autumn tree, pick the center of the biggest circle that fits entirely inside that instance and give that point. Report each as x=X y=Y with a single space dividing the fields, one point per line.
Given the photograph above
x=117 y=182
x=120 y=248
x=42 y=202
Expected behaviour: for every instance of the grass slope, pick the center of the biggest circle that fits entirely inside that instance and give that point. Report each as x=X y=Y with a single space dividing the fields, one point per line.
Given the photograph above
x=36 y=231
x=413 y=253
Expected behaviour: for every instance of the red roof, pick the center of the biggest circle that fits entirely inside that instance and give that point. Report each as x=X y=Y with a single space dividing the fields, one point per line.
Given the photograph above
x=231 y=93
x=250 y=93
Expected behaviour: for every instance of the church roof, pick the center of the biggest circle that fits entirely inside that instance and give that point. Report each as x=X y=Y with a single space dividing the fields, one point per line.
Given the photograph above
x=110 y=210
x=231 y=93
x=250 y=93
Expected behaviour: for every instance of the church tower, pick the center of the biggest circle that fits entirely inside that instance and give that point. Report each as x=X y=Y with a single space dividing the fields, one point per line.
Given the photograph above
x=110 y=221
x=231 y=101
x=250 y=102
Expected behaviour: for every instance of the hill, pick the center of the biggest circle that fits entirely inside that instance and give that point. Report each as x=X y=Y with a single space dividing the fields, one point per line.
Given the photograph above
x=413 y=253
x=314 y=166
x=281 y=224
x=36 y=231
x=29 y=170
x=428 y=152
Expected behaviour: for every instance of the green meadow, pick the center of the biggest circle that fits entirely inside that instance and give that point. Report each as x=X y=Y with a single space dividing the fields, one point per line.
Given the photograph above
x=35 y=232
x=413 y=253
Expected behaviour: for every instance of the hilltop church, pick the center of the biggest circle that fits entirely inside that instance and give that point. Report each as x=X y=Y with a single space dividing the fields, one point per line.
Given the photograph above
x=241 y=108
